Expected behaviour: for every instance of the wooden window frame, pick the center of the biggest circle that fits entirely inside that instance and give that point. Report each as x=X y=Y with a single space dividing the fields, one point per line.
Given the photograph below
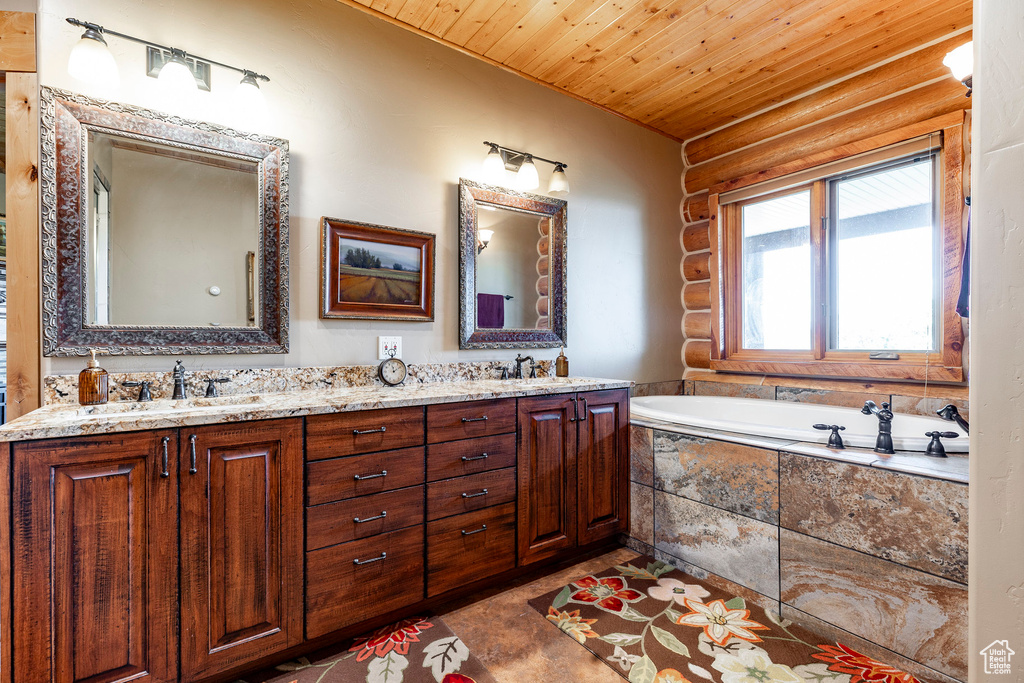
x=944 y=364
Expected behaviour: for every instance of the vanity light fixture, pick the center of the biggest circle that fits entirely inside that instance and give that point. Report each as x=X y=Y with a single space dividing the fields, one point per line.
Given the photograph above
x=484 y=240
x=181 y=73
x=500 y=159
x=961 y=62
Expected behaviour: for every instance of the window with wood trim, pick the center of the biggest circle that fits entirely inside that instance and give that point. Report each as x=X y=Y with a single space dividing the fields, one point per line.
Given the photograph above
x=848 y=269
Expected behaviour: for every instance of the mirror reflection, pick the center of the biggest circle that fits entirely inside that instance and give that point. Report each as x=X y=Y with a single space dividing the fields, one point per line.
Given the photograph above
x=172 y=236
x=512 y=250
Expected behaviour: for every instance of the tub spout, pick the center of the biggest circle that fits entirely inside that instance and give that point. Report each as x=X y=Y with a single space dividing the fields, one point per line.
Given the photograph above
x=949 y=412
x=883 y=442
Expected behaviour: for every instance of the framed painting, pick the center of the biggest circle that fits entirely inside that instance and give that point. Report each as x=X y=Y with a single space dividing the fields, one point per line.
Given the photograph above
x=373 y=272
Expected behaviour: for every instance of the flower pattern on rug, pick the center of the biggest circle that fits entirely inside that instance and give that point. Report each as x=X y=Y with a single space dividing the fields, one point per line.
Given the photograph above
x=860 y=667
x=690 y=632
x=720 y=622
x=610 y=594
x=394 y=637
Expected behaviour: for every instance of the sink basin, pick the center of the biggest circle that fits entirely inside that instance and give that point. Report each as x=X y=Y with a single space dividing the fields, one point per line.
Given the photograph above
x=161 y=406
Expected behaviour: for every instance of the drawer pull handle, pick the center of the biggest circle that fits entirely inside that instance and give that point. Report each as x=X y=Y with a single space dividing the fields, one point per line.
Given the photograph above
x=381 y=430
x=192 y=454
x=475 y=419
x=475 y=495
x=474 y=531
x=164 y=472
x=382 y=515
x=372 y=559
x=586 y=408
x=482 y=456
x=362 y=477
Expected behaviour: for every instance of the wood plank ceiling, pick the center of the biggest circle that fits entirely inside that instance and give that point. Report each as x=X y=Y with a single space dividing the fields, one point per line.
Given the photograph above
x=681 y=67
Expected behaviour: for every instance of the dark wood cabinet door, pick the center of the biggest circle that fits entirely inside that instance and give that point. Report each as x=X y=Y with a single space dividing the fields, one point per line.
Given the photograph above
x=241 y=543
x=95 y=559
x=602 y=457
x=547 y=476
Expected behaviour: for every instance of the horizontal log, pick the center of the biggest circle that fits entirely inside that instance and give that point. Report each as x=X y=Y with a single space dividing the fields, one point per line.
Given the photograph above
x=542 y=286
x=542 y=323
x=924 y=103
x=542 y=306
x=697 y=324
x=542 y=265
x=695 y=207
x=542 y=245
x=697 y=296
x=697 y=353
x=697 y=237
x=697 y=267
x=908 y=72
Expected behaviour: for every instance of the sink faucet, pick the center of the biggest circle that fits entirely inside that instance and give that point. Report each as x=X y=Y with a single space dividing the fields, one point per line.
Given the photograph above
x=949 y=412
x=179 y=381
x=883 y=443
x=519 y=365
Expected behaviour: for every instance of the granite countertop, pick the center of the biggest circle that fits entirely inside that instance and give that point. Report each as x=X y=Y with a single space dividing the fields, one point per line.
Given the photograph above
x=952 y=468
x=126 y=416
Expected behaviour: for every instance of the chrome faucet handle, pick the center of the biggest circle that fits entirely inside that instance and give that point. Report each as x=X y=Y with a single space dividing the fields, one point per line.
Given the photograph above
x=144 y=394
x=834 y=440
x=935 y=447
x=211 y=386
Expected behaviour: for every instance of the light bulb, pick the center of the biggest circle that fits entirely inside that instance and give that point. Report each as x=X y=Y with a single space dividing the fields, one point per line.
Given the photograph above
x=486 y=235
x=961 y=61
x=494 y=167
x=248 y=101
x=175 y=78
x=559 y=183
x=91 y=61
x=527 y=177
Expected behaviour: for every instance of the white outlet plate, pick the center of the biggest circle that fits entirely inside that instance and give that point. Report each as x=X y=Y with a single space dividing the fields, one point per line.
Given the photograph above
x=386 y=344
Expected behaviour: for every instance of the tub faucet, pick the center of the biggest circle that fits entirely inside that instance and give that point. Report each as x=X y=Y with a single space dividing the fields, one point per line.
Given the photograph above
x=883 y=443
x=520 y=359
x=949 y=412
x=179 y=381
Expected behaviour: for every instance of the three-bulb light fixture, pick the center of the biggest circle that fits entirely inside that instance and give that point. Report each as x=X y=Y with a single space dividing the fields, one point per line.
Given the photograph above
x=179 y=73
x=501 y=160
x=961 y=62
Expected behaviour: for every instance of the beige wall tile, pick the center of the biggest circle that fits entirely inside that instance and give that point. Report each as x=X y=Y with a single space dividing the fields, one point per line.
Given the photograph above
x=846 y=399
x=641 y=455
x=641 y=513
x=701 y=388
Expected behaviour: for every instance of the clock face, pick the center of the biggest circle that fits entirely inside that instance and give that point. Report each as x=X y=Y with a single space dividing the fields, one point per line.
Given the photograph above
x=392 y=371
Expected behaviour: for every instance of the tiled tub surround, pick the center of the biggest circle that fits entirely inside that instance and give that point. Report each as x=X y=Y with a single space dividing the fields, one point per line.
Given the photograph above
x=846 y=542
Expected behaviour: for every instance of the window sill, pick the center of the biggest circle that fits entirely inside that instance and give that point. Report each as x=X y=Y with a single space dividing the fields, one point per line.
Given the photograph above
x=878 y=370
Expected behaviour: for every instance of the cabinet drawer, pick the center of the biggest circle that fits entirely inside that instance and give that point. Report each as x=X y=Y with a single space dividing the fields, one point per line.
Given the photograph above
x=334 y=523
x=360 y=475
x=463 y=494
x=469 y=456
x=363 y=431
x=451 y=421
x=340 y=592
x=455 y=558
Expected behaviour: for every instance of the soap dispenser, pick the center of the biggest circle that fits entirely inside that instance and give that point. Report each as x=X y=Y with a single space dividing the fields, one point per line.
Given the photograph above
x=561 y=364
x=93 y=383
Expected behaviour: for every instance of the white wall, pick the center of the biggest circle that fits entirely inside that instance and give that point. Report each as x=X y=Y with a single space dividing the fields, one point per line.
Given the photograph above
x=997 y=337
x=382 y=124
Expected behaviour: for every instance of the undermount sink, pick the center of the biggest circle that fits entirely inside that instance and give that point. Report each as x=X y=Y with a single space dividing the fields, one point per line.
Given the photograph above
x=159 y=406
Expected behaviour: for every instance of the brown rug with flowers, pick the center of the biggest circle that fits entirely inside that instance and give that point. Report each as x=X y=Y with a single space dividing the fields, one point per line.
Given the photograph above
x=655 y=624
x=417 y=650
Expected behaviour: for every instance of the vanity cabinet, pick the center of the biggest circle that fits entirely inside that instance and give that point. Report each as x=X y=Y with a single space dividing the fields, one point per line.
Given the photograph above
x=573 y=471
x=97 y=548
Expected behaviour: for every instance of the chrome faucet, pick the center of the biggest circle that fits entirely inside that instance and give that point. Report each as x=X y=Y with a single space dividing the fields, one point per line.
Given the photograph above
x=949 y=412
x=179 y=381
x=519 y=365
x=883 y=443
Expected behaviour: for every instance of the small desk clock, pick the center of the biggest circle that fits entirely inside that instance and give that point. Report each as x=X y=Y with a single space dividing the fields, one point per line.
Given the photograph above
x=392 y=371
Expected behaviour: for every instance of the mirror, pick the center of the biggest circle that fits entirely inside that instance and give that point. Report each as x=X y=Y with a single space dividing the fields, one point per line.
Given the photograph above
x=512 y=268
x=172 y=235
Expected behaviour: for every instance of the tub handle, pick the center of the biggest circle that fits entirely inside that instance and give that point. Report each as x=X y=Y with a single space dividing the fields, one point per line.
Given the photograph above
x=834 y=440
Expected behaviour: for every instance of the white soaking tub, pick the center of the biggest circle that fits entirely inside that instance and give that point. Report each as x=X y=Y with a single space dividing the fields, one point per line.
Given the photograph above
x=792 y=421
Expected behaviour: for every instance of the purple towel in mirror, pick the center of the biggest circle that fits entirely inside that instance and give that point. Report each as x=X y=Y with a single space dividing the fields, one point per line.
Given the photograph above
x=490 y=310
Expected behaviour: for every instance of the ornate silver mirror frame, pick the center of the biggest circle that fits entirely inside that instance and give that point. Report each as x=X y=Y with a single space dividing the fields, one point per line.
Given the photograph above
x=66 y=120
x=552 y=269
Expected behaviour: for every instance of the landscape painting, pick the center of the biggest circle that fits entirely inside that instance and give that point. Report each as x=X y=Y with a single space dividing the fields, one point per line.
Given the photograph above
x=375 y=272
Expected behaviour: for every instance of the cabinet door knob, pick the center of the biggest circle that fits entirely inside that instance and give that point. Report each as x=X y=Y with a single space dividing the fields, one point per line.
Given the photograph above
x=164 y=472
x=192 y=454
x=372 y=559
x=362 y=477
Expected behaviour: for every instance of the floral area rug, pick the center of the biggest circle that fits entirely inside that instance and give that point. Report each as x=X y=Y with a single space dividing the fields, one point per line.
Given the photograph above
x=418 y=650
x=655 y=624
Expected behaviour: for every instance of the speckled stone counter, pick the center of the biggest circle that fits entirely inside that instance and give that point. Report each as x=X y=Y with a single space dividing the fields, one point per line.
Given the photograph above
x=64 y=420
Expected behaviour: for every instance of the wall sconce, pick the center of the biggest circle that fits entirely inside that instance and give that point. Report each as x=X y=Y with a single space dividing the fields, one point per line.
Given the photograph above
x=484 y=240
x=501 y=159
x=961 y=62
x=180 y=73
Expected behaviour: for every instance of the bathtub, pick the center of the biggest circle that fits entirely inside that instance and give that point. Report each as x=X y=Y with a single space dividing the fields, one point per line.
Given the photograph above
x=791 y=421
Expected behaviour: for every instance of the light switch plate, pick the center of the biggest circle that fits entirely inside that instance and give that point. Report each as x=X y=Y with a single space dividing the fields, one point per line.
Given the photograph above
x=385 y=345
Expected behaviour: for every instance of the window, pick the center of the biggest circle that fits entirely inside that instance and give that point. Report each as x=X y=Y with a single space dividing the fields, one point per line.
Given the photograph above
x=849 y=269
